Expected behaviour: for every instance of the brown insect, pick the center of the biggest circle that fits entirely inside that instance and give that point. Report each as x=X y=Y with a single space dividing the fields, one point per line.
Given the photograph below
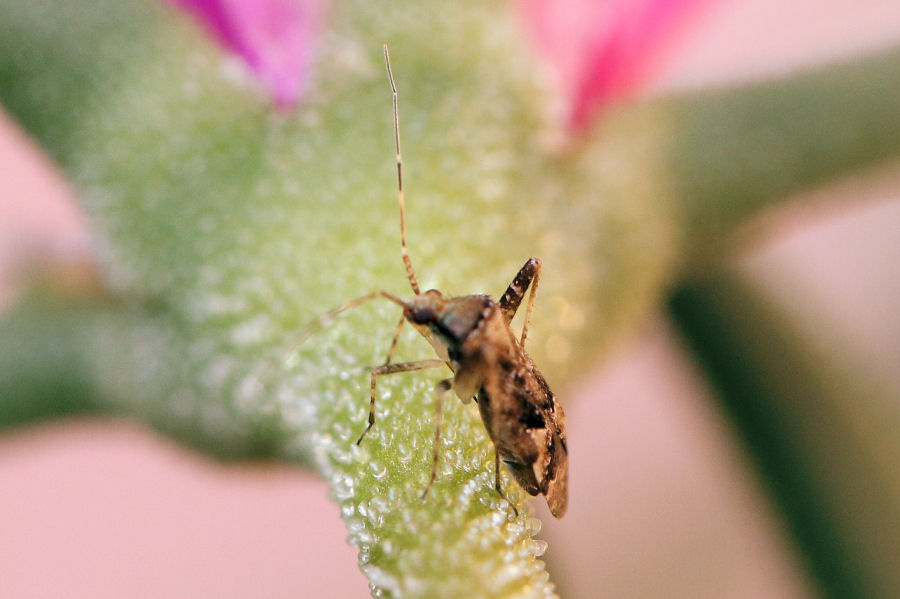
x=471 y=335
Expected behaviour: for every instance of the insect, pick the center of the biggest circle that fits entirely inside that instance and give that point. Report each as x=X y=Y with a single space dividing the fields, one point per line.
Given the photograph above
x=471 y=335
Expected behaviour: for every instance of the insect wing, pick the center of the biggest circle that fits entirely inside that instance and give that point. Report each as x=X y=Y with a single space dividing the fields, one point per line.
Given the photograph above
x=525 y=422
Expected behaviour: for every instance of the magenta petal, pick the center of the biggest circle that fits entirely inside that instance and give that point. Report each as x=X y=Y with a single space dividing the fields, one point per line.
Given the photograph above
x=602 y=48
x=274 y=37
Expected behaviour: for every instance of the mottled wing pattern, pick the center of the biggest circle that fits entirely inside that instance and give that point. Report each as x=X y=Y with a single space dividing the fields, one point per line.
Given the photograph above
x=523 y=418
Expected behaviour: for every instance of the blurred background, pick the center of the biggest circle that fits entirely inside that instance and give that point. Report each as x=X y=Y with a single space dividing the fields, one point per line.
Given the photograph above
x=665 y=501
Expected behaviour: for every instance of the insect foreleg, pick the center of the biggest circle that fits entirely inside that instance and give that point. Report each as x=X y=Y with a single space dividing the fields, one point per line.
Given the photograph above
x=440 y=390
x=393 y=369
x=529 y=274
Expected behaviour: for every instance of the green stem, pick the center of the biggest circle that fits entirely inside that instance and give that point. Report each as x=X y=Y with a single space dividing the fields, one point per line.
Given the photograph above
x=822 y=430
x=44 y=369
x=734 y=152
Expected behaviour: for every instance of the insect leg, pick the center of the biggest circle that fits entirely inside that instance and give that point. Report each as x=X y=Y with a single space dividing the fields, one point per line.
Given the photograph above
x=529 y=274
x=442 y=388
x=264 y=372
x=393 y=369
x=497 y=484
x=394 y=341
x=530 y=307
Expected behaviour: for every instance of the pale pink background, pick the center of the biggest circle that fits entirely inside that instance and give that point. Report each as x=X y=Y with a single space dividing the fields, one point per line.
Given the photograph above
x=663 y=501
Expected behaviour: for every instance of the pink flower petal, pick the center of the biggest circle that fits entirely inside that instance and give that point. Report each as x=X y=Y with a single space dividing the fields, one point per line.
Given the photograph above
x=601 y=49
x=274 y=37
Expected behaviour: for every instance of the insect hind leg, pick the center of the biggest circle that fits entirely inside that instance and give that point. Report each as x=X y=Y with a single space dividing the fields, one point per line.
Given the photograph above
x=528 y=275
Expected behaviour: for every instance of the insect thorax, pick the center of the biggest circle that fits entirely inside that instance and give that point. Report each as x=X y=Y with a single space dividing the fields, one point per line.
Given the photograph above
x=451 y=320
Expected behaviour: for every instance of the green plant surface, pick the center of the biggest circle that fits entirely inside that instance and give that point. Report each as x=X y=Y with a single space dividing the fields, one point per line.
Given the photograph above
x=819 y=423
x=224 y=227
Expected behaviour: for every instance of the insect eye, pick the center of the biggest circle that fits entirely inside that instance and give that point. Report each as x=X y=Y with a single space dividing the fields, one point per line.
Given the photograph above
x=422 y=315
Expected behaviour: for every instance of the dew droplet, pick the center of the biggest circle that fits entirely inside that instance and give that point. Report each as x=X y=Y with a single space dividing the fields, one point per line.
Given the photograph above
x=379 y=471
x=355 y=525
x=343 y=487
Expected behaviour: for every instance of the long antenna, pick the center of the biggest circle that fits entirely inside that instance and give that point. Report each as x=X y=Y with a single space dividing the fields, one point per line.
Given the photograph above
x=410 y=274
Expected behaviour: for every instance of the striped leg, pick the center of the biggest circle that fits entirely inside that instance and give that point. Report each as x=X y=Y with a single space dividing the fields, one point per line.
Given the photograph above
x=529 y=274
